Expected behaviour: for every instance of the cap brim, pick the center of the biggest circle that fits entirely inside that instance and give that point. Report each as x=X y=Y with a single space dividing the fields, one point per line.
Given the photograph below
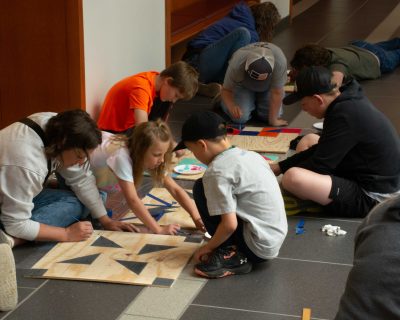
x=180 y=146
x=291 y=98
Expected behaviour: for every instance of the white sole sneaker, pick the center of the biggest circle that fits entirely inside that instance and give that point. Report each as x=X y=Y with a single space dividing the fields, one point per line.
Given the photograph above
x=8 y=280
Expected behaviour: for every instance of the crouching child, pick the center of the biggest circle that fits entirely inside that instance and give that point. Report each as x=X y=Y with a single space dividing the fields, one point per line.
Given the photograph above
x=238 y=198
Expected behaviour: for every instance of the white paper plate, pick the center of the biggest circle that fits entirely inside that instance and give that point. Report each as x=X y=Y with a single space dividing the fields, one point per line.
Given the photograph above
x=318 y=125
x=188 y=169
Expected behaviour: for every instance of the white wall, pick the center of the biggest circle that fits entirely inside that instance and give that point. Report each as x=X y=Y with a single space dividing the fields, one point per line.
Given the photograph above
x=121 y=38
x=283 y=6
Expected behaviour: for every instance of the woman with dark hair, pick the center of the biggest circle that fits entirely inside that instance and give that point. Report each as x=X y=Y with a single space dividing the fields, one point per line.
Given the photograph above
x=30 y=150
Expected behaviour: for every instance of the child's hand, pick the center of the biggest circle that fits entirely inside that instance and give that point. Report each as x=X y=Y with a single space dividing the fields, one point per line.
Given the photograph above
x=199 y=224
x=113 y=225
x=79 y=231
x=170 y=229
x=235 y=112
x=123 y=226
x=202 y=253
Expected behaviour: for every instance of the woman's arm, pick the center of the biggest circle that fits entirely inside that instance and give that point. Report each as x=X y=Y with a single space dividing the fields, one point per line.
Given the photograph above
x=76 y=232
x=184 y=200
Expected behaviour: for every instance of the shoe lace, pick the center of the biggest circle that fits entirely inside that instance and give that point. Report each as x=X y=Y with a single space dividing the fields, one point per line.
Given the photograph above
x=220 y=253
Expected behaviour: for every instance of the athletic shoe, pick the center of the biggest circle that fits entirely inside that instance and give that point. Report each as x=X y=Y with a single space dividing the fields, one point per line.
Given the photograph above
x=8 y=280
x=224 y=262
x=211 y=90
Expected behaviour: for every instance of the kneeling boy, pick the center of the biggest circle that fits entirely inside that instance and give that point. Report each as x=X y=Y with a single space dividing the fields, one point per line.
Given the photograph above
x=238 y=198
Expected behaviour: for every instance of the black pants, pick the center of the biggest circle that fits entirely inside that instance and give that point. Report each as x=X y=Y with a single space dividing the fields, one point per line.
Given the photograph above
x=211 y=223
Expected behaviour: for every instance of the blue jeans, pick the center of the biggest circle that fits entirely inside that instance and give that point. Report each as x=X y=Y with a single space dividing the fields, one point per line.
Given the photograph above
x=211 y=223
x=388 y=52
x=212 y=61
x=250 y=102
x=59 y=207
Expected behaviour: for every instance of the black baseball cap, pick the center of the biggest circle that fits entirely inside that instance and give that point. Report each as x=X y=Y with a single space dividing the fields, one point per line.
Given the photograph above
x=202 y=125
x=258 y=67
x=310 y=81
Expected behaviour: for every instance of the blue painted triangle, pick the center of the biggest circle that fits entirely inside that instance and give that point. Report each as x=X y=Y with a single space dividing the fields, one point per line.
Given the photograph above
x=148 y=248
x=134 y=266
x=104 y=242
x=82 y=260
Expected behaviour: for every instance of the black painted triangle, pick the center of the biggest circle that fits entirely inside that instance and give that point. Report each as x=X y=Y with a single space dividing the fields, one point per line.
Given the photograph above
x=194 y=238
x=134 y=266
x=106 y=243
x=82 y=260
x=163 y=282
x=154 y=248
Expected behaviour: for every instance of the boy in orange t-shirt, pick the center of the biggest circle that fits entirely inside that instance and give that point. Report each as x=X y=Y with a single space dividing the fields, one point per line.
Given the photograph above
x=146 y=96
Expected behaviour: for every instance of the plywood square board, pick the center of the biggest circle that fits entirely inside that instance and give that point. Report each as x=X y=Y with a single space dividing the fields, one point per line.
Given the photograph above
x=278 y=144
x=119 y=257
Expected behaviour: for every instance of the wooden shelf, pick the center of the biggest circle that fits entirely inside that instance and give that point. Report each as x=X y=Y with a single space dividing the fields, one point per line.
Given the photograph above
x=186 y=18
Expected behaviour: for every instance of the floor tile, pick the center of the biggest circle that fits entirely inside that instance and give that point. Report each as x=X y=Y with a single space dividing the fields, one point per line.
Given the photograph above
x=280 y=287
x=166 y=303
x=314 y=245
x=197 y=312
x=68 y=300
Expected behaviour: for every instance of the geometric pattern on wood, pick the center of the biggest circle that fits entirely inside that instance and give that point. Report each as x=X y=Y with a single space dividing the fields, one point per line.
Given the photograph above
x=149 y=248
x=118 y=265
x=195 y=238
x=104 y=242
x=173 y=214
x=82 y=260
x=163 y=282
x=134 y=266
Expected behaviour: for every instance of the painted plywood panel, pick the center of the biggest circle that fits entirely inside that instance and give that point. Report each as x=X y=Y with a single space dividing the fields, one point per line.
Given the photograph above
x=164 y=208
x=119 y=257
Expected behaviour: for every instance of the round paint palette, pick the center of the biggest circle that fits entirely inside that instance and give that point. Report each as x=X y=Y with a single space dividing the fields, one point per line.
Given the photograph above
x=188 y=169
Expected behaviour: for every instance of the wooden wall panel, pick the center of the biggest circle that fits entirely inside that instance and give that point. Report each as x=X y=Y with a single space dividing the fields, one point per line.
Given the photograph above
x=41 y=59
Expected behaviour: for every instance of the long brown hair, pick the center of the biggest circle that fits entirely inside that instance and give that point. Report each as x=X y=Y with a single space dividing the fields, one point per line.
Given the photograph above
x=140 y=140
x=266 y=17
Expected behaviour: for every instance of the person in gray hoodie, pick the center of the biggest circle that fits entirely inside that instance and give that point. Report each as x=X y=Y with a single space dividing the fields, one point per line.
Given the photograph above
x=30 y=150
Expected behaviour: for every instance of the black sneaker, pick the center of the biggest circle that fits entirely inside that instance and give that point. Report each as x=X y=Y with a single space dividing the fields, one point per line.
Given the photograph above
x=224 y=262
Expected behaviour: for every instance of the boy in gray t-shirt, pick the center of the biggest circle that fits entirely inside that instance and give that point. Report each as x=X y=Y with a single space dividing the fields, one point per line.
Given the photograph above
x=238 y=198
x=254 y=84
